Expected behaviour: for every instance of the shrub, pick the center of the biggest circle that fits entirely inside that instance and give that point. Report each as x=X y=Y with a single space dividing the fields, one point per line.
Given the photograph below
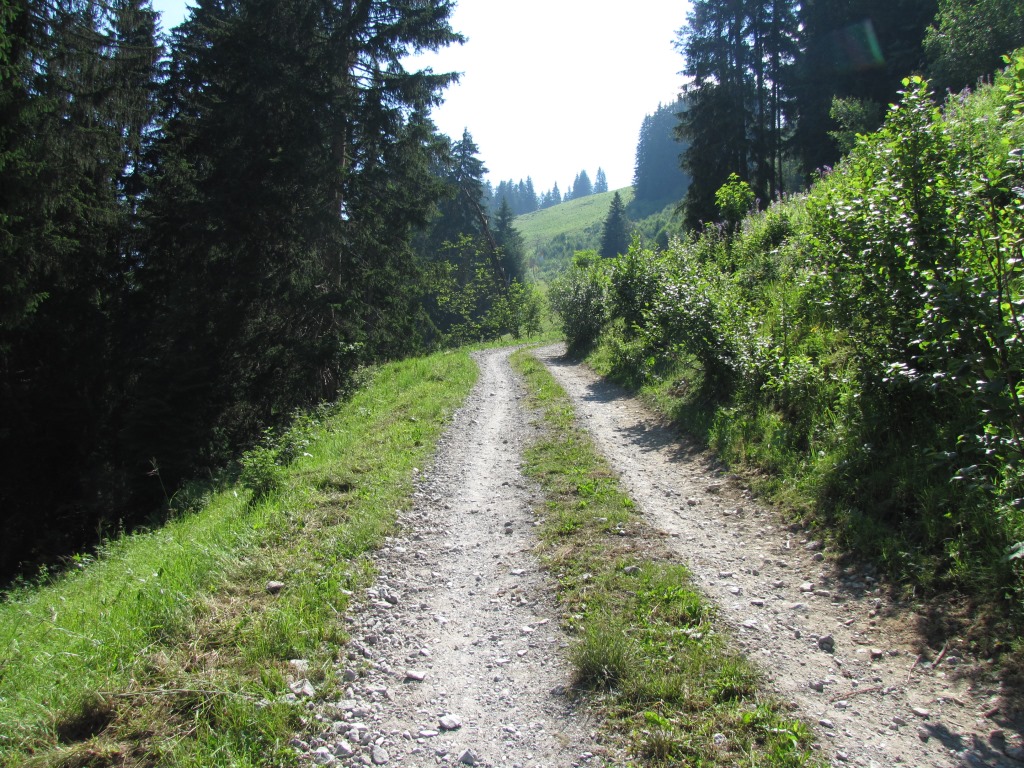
x=579 y=296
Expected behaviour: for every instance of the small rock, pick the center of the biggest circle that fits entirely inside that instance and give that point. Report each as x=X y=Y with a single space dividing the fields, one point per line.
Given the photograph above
x=813 y=546
x=299 y=666
x=558 y=690
x=807 y=587
x=897 y=720
x=630 y=570
x=826 y=723
x=426 y=733
x=817 y=685
x=922 y=713
x=757 y=603
x=303 y=688
x=818 y=557
x=922 y=734
x=827 y=643
x=323 y=756
x=469 y=757
x=822 y=593
x=273 y=587
x=415 y=675
x=877 y=653
x=343 y=749
x=719 y=739
x=450 y=723
x=380 y=756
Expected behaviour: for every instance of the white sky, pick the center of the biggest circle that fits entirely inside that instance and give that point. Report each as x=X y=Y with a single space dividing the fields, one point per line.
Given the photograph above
x=552 y=87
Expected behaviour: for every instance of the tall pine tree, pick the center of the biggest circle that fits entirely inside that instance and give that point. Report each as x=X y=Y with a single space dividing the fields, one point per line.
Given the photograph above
x=293 y=163
x=738 y=55
x=615 y=230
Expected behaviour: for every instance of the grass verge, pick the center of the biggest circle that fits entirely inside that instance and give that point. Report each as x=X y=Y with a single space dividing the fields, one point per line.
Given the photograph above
x=645 y=637
x=169 y=649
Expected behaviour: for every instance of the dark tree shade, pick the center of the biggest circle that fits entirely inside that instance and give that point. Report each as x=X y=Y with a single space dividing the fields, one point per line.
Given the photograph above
x=860 y=49
x=292 y=165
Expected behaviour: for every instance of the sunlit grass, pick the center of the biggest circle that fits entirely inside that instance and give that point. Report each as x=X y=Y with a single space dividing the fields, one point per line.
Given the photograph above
x=169 y=650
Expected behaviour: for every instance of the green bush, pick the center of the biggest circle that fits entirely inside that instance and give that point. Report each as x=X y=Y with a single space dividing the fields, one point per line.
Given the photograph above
x=580 y=297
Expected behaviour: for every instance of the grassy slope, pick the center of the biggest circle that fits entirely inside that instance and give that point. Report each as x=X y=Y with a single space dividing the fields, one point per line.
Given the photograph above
x=168 y=649
x=575 y=215
x=551 y=235
x=554 y=234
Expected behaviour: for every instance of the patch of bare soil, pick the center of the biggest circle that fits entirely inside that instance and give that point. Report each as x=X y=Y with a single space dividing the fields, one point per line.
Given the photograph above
x=855 y=664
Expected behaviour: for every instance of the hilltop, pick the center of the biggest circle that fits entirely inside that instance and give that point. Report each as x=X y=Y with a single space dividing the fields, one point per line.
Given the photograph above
x=552 y=235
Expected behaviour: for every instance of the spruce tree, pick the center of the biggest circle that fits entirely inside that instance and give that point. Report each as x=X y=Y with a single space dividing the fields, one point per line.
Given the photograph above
x=600 y=182
x=582 y=187
x=738 y=56
x=294 y=161
x=510 y=243
x=615 y=231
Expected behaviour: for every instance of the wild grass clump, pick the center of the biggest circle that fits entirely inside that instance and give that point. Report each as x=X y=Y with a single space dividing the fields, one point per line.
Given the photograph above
x=168 y=648
x=646 y=640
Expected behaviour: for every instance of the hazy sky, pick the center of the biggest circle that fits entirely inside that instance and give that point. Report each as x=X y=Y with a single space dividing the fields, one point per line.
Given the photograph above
x=553 y=87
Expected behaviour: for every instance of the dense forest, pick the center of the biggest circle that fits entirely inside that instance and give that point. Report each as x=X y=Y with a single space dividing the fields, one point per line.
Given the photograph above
x=199 y=236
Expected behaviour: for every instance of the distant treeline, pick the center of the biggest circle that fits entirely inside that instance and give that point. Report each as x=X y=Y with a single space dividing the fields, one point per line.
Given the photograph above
x=523 y=198
x=197 y=240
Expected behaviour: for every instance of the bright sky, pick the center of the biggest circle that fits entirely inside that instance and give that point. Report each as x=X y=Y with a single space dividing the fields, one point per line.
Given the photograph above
x=552 y=87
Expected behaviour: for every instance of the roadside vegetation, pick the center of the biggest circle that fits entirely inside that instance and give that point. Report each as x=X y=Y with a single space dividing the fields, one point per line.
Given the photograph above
x=647 y=641
x=857 y=349
x=172 y=647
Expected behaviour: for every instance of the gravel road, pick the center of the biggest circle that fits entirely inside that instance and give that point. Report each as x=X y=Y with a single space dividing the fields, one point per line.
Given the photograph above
x=457 y=658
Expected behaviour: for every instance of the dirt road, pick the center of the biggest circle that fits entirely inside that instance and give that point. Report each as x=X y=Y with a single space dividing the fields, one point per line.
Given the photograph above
x=457 y=657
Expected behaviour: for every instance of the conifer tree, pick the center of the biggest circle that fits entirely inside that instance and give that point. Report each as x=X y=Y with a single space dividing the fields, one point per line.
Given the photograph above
x=582 y=187
x=76 y=86
x=600 y=182
x=615 y=231
x=510 y=243
x=293 y=164
x=738 y=56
